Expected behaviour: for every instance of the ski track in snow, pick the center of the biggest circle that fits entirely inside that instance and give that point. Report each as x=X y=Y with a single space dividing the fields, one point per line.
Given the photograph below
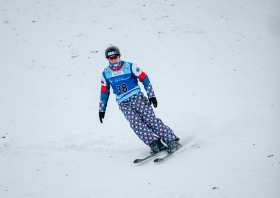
x=214 y=66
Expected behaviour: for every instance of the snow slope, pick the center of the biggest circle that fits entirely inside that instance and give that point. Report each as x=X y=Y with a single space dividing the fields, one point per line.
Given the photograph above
x=215 y=69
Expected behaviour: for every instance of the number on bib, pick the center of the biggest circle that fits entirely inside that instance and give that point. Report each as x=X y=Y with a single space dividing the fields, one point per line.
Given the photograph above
x=122 y=88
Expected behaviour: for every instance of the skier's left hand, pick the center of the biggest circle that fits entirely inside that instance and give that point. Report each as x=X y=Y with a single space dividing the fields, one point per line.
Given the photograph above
x=154 y=101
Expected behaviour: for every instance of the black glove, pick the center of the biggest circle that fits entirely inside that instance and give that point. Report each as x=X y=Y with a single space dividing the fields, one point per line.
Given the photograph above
x=154 y=101
x=101 y=116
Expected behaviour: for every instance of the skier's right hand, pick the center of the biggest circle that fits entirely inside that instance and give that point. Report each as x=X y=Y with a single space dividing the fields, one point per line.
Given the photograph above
x=101 y=116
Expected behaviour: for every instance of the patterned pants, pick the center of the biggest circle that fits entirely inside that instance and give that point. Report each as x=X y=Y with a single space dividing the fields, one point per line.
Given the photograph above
x=143 y=120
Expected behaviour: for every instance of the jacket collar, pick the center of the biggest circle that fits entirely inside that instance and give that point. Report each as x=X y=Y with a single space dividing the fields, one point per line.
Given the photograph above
x=117 y=66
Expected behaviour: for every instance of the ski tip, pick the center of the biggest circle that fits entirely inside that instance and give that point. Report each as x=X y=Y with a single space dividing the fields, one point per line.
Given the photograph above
x=157 y=160
x=137 y=161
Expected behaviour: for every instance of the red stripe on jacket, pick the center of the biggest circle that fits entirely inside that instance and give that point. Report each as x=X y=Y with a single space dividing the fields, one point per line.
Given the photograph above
x=142 y=76
x=103 y=88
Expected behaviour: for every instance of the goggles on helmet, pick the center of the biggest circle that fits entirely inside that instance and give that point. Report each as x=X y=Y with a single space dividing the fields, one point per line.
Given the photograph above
x=113 y=57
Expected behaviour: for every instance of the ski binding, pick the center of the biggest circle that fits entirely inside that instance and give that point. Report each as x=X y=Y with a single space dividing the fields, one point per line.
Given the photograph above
x=167 y=156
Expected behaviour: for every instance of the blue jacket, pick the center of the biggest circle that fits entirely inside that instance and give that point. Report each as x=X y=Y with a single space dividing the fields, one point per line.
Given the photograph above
x=124 y=82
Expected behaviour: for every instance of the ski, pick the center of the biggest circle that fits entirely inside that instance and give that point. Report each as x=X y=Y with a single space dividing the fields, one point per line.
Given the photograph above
x=146 y=158
x=167 y=156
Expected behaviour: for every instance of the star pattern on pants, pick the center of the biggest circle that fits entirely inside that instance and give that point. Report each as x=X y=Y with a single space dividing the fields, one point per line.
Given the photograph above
x=143 y=120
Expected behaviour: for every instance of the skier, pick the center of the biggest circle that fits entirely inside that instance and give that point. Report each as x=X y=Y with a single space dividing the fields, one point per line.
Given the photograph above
x=123 y=77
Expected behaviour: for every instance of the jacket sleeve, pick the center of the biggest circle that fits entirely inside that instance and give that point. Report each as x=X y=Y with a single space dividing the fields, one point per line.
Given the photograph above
x=142 y=76
x=105 y=92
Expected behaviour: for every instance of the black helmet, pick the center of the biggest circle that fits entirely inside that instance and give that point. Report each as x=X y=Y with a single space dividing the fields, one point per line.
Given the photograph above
x=112 y=50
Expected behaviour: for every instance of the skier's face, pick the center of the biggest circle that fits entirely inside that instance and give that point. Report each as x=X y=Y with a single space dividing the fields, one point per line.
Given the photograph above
x=114 y=59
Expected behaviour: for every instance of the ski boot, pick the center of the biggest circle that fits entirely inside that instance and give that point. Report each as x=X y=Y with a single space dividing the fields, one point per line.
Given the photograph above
x=173 y=145
x=156 y=146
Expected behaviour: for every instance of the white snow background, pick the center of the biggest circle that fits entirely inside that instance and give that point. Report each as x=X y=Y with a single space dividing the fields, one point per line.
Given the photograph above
x=215 y=69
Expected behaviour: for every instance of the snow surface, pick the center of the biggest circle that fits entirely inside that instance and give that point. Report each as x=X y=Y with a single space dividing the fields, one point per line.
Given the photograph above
x=215 y=68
